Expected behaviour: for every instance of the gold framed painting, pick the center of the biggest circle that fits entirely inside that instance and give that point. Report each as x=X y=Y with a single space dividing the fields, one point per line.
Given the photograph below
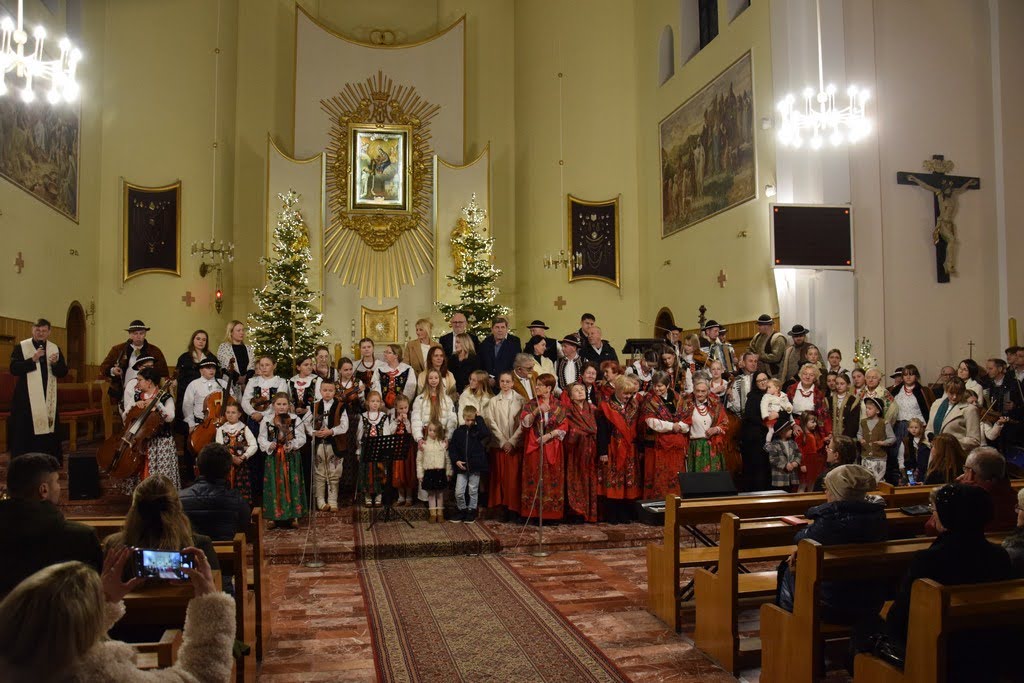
x=380 y=174
x=380 y=325
x=594 y=239
x=152 y=229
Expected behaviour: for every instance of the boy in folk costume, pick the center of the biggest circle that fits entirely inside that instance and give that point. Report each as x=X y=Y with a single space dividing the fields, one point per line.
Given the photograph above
x=328 y=424
x=502 y=416
x=281 y=437
x=705 y=421
x=665 y=460
x=875 y=437
x=620 y=480
x=241 y=444
x=643 y=369
x=581 y=455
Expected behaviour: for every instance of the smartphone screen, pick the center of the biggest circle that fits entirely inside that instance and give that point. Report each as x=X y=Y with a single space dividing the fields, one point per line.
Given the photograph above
x=911 y=477
x=161 y=564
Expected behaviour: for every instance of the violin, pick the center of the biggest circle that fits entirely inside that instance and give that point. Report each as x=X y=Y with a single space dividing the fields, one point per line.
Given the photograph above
x=260 y=403
x=991 y=416
x=213 y=409
x=121 y=455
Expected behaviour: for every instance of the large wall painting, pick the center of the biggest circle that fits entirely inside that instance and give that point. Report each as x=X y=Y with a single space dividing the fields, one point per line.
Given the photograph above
x=707 y=151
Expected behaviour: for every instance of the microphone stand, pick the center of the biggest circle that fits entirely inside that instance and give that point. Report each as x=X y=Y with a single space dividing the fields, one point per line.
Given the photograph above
x=314 y=562
x=540 y=552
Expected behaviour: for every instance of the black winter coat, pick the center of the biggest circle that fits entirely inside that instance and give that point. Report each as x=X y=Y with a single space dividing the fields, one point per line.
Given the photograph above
x=467 y=445
x=214 y=509
x=838 y=523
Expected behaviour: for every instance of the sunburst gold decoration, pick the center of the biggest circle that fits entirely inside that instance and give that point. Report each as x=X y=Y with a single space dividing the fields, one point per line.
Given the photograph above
x=371 y=242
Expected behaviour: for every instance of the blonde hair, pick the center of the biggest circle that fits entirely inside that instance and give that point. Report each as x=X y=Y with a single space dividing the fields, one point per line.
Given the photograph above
x=425 y=322
x=467 y=344
x=231 y=326
x=772 y=382
x=50 y=621
x=435 y=406
x=482 y=387
x=625 y=383
x=155 y=519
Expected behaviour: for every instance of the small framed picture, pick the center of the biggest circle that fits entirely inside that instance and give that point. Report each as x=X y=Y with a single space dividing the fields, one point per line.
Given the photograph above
x=379 y=176
x=152 y=229
x=594 y=240
x=380 y=325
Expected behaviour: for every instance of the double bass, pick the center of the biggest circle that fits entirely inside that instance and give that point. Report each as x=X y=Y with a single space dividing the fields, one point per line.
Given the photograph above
x=121 y=455
x=213 y=408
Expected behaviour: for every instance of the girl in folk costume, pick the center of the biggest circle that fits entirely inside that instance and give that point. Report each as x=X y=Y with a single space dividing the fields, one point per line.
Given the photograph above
x=643 y=369
x=502 y=416
x=328 y=426
x=705 y=421
x=665 y=460
x=367 y=365
x=236 y=358
x=545 y=422
x=692 y=357
x=581 y=455
x=477 y=393
x=721 y=388
x=620 y=480
x=806 y=396
x=814 y=358
x=436 y=360
x=374 y=422
x=404 y=472
x=259 y=391
x=844 y=407
x=858 y=382
x=303 y=386
x=281 y=437
x=323 y=366
x=914 y=451
x=349 y=392
x=394 y=378
x=682 y=378
x=161 y=456
x=434 y=469
x=610 y=369
x=241 y=444
x=812 y=447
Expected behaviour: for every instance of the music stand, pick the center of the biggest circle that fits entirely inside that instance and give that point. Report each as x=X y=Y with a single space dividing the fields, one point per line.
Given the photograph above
x=386 y=450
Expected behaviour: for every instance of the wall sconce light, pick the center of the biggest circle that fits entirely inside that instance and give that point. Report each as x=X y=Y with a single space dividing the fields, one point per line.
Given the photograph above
x=213 y=256
x=769 y=190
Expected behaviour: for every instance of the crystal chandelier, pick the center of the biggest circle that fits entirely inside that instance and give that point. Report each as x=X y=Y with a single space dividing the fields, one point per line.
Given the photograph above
x=820 y=119
x=59 y=72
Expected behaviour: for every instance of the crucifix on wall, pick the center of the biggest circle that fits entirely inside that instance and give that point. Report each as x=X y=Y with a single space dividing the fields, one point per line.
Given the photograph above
x=946 y=190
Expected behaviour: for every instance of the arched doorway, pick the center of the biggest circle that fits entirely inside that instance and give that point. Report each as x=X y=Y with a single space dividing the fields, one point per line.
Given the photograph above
x=663 y=322
x=75 y=352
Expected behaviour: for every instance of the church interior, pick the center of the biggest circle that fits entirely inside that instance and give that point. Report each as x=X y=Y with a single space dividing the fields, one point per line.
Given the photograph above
x=737 y=173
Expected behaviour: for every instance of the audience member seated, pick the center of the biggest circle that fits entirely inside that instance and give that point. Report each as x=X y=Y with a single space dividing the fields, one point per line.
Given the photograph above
x=986 y=469
x=960 y=555
x=945 y=462
x=840 y=450
x=214 y=509
x=53 y=627
x=1014 y=543
x=33 y=532
x=849 y=515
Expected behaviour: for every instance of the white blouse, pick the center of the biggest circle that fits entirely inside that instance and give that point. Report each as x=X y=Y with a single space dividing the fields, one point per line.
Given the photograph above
x=801 y=403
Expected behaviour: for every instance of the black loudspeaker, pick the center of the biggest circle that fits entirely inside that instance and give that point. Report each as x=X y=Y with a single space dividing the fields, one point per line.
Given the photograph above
x=706 y=484
x=83 y=477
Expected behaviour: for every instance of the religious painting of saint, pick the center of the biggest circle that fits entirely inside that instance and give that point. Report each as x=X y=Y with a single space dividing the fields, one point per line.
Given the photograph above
x=594 y=240
x=380 y=166
x=152 y=229
x=707 y=151
x=39 y=151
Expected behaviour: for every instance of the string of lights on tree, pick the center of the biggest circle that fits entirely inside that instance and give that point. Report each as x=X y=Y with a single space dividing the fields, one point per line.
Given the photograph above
x=286 y=325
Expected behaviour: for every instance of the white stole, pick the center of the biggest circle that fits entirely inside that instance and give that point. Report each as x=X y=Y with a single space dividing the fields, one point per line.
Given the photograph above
x=42 y=401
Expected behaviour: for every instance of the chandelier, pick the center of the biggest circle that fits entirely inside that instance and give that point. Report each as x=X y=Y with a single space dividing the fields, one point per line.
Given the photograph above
x=60 y=72
x=820 y=118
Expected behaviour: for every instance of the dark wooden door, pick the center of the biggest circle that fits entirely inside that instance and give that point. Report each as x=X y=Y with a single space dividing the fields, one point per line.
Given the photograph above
x=75 y=352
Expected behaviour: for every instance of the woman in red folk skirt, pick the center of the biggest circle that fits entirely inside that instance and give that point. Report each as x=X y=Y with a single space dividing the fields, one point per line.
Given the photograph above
x=662 y=416
x=620 y=480
x=545 y=423
x=581 y=460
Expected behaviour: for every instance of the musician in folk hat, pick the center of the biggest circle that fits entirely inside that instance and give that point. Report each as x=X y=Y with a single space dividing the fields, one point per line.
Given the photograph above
x=117 y=366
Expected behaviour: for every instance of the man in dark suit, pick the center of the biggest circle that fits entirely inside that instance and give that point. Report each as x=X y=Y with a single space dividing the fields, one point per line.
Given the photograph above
x=498 y=352
x=538 y=329
x=460 y=325
x=33 y=532
x=598 y=350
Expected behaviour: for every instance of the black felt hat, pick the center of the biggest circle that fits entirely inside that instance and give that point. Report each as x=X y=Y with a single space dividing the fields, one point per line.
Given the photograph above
x=799 y=331
x=571 y=339
x=209 y=363
x=711 y=323
x=140 y=361
x=538 y=323
x=765 y=319
x=136 y=325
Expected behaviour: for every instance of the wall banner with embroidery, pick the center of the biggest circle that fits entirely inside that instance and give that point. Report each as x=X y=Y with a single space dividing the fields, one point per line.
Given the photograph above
x=380 y=182
x=152 y=229
x=594 y=240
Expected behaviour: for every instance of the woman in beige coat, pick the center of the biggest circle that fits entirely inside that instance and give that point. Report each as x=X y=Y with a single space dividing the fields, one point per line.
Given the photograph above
x=53 y=627
x=953 y=415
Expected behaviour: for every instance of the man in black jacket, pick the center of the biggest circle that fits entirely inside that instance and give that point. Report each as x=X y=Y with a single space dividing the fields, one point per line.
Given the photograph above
x=598 y=349
x=215 y=510
x=33 y=532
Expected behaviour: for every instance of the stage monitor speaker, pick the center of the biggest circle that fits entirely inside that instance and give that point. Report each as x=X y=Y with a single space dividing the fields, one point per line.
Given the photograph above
x=83 y=477
x=706 y=484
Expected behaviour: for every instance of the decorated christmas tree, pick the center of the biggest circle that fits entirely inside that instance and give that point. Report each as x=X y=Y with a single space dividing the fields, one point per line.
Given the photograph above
x=475 y=273
x=862 y=357
x=286 y=324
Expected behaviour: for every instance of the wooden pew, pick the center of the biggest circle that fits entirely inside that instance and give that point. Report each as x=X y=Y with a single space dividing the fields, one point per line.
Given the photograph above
x=938 y=611
x=719 y=595
x=792 y=640
x=160 y=654
x=234 y=560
